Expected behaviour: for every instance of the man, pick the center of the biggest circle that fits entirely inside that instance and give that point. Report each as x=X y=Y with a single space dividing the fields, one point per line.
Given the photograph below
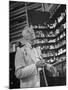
x=28 y=60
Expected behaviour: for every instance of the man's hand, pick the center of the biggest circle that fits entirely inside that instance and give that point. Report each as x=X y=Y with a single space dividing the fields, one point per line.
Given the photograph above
x=52 y=69
x=40 y=63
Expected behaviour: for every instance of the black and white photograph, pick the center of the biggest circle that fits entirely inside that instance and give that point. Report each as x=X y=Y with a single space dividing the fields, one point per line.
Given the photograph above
x=37 y=44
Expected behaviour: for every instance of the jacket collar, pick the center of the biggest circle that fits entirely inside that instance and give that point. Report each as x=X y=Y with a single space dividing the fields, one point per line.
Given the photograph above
x=26 y=43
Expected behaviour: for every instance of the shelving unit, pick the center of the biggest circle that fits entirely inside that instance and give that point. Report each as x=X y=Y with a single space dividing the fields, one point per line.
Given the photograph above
x=53 y=45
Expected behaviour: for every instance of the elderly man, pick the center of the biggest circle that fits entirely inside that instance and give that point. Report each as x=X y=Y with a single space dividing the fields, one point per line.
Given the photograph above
x=28 y=61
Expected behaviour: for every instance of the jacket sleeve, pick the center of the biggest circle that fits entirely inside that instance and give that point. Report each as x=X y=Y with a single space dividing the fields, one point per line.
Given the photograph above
x=23 y=71
x=19 y=59
x=26 y=71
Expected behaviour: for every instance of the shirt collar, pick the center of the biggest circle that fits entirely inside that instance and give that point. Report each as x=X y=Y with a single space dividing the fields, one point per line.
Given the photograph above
x=28 y=45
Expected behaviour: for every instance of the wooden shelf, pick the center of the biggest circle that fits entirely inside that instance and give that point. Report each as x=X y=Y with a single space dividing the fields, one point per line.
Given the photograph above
x=56 y=56
x=49 y=49
x=63 y=38
x=62 y=46
x=45 y=38
x=61 y=54
x=58 y=62
x=40 y=29
x=41 y=44
x=64 y=30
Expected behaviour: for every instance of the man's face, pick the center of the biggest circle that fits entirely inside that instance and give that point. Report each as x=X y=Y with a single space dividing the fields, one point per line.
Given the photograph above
x=29 y=34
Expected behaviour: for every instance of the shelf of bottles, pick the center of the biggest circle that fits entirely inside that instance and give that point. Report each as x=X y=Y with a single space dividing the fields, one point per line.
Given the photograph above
x=52 y=39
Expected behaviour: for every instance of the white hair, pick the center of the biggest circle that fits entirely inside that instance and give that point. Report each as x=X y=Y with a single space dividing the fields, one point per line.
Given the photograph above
x=26 y=29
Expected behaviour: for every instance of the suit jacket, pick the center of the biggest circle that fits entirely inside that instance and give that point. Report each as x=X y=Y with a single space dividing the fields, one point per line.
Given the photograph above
x=25 y=60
